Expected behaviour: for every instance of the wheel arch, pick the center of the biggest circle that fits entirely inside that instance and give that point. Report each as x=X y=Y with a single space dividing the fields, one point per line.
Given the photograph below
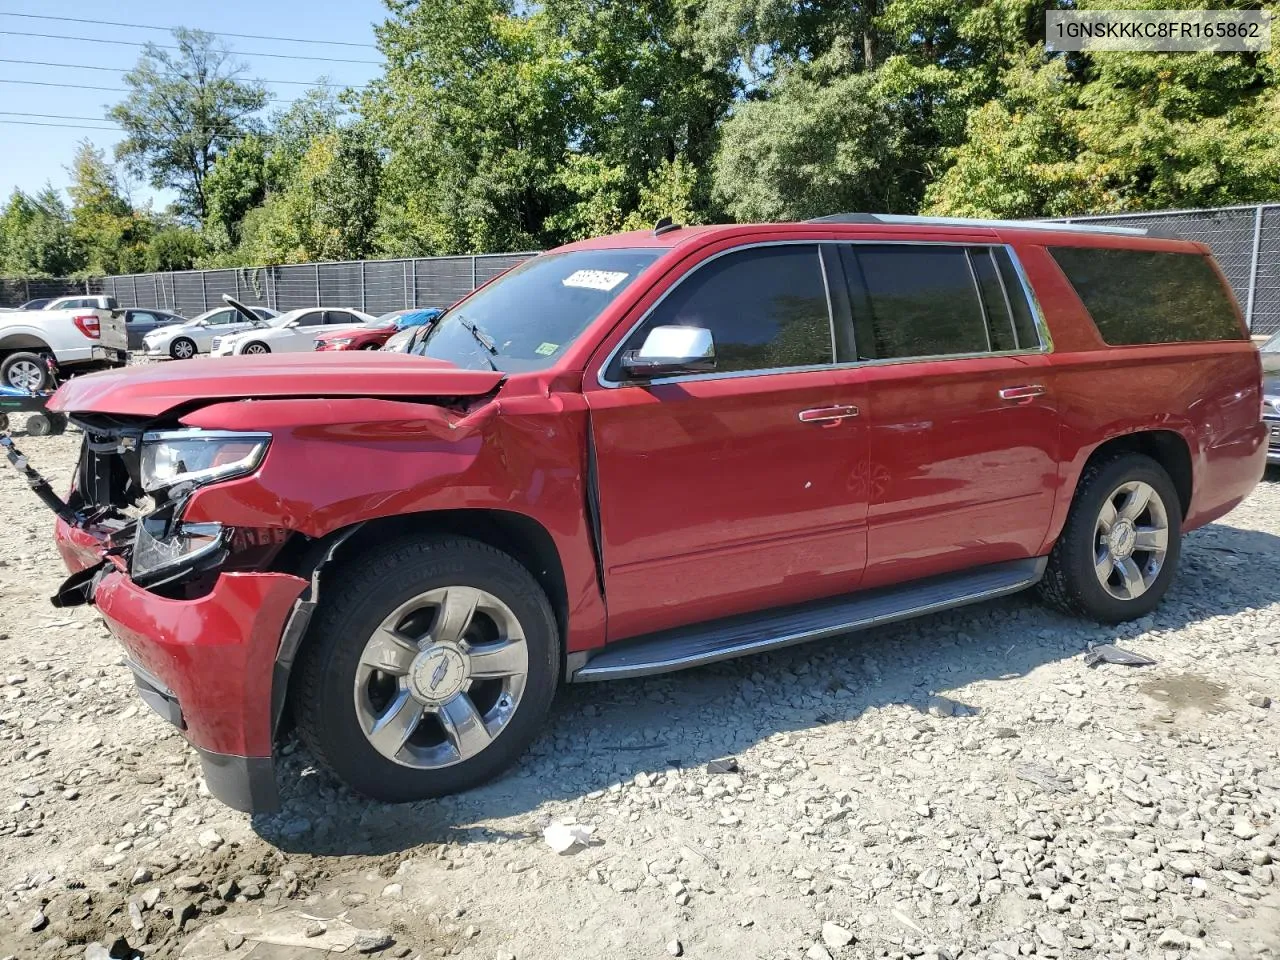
x=20 y=342
x=1169 y=448
x=320 y=560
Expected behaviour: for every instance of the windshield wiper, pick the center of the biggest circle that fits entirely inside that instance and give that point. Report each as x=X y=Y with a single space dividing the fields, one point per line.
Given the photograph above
x=483 y=339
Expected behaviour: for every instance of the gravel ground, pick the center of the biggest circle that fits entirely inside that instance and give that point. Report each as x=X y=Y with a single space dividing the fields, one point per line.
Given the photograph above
x=961 y=786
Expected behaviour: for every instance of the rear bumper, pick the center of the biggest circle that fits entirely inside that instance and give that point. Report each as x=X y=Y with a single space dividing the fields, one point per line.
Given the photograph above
x=206 y=665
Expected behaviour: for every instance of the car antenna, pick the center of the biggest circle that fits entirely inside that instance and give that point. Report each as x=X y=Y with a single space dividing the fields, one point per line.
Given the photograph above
x=665 y=225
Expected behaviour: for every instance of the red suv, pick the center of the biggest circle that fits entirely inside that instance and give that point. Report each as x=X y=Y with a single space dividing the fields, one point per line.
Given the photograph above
x=646 y=452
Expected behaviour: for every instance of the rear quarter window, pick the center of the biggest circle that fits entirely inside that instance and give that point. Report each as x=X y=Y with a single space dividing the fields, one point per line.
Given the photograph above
x=1145 y=296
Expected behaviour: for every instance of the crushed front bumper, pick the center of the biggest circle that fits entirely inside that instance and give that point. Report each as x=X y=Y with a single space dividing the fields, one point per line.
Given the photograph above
x=206 y=664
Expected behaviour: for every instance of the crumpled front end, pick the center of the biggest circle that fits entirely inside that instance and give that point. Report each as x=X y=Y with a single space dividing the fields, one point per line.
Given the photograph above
x=200 y=621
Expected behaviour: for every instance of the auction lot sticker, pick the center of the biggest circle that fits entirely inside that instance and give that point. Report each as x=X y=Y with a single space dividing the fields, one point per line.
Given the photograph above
x=1156 y=31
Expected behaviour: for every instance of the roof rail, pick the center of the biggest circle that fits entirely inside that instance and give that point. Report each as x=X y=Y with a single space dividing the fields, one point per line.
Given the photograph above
x=890 y=218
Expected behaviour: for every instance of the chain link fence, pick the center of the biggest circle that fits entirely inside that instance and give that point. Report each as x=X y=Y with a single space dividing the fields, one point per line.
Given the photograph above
x=1244 y=240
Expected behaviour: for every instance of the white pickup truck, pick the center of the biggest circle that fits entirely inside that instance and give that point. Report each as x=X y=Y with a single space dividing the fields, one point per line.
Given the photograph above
x=79 y=332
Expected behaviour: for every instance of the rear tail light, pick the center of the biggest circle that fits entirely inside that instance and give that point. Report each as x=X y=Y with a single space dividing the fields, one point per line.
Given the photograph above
x=90 y=325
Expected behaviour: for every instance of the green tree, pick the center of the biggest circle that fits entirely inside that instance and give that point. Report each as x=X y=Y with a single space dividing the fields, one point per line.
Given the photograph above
x=185 y=108
x=326 y=212
x=237 y=183
x=36 y=238
x=174 y=248
x=112 y=235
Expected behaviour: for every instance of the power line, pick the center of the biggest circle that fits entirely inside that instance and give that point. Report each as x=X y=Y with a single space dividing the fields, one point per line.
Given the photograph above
x=144 y=26
x=65 y=126
x=83 y=66
x=85 y=86
x=169 y=46
x=53 y=116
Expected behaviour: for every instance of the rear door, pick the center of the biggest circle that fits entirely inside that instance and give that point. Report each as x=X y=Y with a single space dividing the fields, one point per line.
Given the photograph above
x=138 y=323
x=737 y=490
x=963 y=429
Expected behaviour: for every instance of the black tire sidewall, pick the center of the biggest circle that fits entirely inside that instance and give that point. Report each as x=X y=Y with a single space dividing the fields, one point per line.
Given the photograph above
x=35 y=358
x=327 y=720
x=1078 y=548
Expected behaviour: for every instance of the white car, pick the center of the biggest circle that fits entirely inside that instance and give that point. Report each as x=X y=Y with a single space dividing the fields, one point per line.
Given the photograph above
x=182 y=341
x=292 y=332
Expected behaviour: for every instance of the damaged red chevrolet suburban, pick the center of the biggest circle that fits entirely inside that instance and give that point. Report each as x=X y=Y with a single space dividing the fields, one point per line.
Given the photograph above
x=642 y=453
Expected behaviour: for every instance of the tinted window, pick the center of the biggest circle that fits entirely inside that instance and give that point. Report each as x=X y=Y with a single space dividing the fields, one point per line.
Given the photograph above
x=993 y=302
x=1023 y=322
x=531 y=313
x=311 y=319
x=914 y=301
x=766 y=308
x=137 y=316
x=1144 y=296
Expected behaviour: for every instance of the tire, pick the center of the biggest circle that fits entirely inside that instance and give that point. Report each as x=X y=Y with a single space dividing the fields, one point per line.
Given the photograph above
x=337 y=697
x=58 y=423
x=183 y=348
x=39 y=425
x=4 y=421
x=256 y=347
x=25 y=370
x=1073 y=580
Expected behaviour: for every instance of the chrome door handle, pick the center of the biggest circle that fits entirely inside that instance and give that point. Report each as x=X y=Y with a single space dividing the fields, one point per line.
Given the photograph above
x=828 y=414
x=1027 y=392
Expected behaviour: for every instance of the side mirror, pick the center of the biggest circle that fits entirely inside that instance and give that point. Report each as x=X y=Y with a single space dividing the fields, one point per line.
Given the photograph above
x=671 y=350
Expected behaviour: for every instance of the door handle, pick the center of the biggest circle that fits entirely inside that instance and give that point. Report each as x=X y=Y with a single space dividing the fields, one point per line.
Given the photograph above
x=828 y=414
x=1024 y=393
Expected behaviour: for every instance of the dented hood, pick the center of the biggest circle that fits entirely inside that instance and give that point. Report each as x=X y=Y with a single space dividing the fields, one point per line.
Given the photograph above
x=153 y=389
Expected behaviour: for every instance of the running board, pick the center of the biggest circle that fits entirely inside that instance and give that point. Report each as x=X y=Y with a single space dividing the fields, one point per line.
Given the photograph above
x=702 y=643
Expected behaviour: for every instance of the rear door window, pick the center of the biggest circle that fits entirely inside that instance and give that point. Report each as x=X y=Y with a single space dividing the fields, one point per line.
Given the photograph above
x=914 y=301
x=1150 y=296
x=766 y=308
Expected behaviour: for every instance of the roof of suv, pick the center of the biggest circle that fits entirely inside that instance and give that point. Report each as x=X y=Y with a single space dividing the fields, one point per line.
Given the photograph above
x=866 y=225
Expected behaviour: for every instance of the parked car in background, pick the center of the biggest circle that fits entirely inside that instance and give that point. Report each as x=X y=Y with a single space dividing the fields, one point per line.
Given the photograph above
x=37 y=304
x=139 y=322
x=290 y=332
x=375 y=333
x=1270 y=352
x=183 y=341
x=82 y=302
x=646 y=452
x=89 y=335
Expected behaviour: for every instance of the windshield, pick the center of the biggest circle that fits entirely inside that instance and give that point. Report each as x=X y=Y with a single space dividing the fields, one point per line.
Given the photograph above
x=526 y=318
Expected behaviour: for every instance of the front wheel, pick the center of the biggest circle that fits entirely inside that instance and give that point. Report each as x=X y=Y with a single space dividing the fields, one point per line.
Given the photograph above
x=429 y=669
x=255 y=348
x=1119 y=549
x=182 y=348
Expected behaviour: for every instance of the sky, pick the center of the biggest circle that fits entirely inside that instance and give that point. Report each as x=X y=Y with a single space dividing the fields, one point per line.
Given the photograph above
x=30 y=156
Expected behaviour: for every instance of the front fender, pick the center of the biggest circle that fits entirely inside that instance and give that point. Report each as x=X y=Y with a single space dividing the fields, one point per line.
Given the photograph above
x=338 y=462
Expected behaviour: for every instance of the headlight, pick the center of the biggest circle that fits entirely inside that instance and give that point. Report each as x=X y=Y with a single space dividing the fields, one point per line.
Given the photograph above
x=341 y=342
x=198 y=456
x=189 y=542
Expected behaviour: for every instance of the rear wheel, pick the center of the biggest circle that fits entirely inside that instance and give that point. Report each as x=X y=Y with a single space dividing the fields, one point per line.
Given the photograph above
x=40 y=425
x=428 y=670
x=1119 y=549
x=26 y=371
x=182 y=348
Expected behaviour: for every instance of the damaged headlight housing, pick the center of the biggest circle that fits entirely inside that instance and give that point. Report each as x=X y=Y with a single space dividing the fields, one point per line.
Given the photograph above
x=198 y=457
x=155 y=553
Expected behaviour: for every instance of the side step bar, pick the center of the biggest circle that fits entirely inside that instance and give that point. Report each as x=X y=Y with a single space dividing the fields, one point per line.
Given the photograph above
x=693 y=646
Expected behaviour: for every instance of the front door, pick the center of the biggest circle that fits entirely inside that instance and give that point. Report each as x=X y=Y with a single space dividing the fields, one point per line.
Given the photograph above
x=741 y=489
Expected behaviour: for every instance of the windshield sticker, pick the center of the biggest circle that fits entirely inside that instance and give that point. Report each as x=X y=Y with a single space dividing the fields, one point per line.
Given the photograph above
x=594 y=279
x=547 y=349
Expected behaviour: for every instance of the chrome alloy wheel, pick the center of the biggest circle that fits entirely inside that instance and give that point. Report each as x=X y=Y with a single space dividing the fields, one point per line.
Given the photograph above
x=25 y=375
x=184 y=350
x=1131 y=540
x=441 y=677
x=254 y=349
